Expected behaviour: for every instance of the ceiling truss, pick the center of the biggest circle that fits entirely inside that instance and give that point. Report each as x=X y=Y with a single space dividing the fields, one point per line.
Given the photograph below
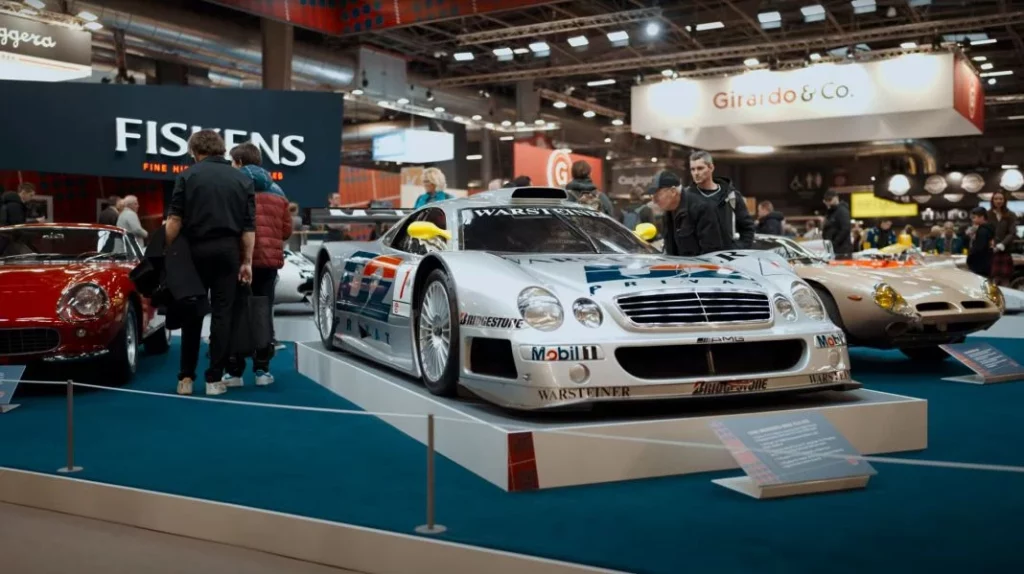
x=559 y=26
x=803 y=44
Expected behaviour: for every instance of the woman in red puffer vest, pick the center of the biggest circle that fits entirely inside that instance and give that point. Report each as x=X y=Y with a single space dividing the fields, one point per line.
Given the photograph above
x=273 y=229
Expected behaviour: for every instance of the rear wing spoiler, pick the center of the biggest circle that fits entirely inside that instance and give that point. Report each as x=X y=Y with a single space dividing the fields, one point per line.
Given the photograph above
x=338 y=215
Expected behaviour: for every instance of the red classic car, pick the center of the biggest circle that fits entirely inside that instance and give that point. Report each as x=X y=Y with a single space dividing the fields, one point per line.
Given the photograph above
x=66 y=297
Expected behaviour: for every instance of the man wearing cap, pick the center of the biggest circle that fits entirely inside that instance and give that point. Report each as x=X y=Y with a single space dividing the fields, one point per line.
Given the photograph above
x=706 y=217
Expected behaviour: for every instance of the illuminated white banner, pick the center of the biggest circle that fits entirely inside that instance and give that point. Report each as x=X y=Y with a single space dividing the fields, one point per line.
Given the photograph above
x=414 y=146
x=912 y=96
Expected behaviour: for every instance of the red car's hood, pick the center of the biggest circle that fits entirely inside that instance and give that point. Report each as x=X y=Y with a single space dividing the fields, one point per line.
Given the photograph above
x=32 y=291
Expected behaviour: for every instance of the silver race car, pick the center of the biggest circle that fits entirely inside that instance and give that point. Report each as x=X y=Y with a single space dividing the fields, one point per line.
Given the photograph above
x=531 y=302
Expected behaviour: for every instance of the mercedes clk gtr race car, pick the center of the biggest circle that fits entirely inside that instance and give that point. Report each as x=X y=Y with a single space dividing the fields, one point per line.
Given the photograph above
x=532 y=302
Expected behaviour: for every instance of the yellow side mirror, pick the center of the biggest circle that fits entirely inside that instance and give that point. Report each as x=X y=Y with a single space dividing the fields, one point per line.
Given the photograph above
x=425 y=230
x=646 y=231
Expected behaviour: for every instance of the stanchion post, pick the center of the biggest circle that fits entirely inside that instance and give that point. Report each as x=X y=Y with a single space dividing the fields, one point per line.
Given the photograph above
x=430 y=527
x=70 y=468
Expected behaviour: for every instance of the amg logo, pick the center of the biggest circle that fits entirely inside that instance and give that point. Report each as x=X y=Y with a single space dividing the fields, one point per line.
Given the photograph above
x=573 y=353
x=830 y=341
x=832 y=377
x=490 y=322
x=720 y=339
x=583 y=393
x=728 y=387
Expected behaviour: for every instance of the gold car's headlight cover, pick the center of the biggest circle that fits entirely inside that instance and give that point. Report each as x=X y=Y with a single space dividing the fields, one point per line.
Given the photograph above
x=888 y=298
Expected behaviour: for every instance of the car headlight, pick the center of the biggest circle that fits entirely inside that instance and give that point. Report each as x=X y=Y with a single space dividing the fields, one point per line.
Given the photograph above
x=890 y=299
x=784 y=307
x=808 y=301
x=83 y=302
x=540 y=309
x=995 y=294
x=587 y=313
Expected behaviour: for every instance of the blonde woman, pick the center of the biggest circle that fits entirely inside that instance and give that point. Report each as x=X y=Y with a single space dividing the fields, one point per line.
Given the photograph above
x=434 y=183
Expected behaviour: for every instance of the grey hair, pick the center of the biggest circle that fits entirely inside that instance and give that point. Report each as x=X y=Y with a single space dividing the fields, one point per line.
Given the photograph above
x=702 y=155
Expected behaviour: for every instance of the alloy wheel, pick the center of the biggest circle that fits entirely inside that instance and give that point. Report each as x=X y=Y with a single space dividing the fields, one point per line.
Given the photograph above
x=435 y=331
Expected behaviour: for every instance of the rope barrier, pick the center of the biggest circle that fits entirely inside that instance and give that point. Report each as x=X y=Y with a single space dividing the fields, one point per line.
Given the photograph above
x=590 y=435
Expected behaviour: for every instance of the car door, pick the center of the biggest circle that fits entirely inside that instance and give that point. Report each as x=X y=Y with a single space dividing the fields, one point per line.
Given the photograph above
x=375 y=294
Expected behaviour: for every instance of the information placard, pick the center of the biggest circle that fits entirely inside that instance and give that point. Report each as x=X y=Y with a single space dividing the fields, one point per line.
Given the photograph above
x=989 y=363
x=10 y=376
x=790 y=453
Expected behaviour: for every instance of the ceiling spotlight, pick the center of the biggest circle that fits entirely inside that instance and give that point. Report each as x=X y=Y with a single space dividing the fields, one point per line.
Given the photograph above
x=578 y=41
x=751 y=62
x=538 y=122
x=654 y=160
x=589 y=114
x=383 y=103
x=653 y=29
x=474 y=157
x=463 y=56
x=815 y=57
x=506 y=123
x=1001 y=73
x=520 y=124
x=617 y=122
x=667 y=73
x=520 y=51
x=93 y=26
x=770 y=20
x=559 y=105
x=540 y=47
x=908 y=45
x=979 y=58
x=607 y=140
x=987 y=66
x=863 y=6
x=991 y=81
x=87 y=16
x=507 y=138
x=403 y=101
x=439 y=109
x=618 y=36
x=709 y=26
x=983 y=42
x=648 y=138
x=37 y=4
x=596 y=83
x=755 y=149
x=477 y=118
x=357 y=92
x=815 y=13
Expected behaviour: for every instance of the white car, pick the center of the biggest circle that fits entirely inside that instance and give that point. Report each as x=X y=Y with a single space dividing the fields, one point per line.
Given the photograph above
x=294 y=280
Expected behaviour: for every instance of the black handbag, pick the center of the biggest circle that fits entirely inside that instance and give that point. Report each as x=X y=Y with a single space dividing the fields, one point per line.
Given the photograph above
x=251 y=323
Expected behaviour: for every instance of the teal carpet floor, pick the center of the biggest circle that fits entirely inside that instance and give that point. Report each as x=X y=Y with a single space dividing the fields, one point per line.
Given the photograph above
x=359 y=470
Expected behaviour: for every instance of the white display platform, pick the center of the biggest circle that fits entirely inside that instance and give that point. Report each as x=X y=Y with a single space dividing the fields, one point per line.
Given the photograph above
x=517 y=451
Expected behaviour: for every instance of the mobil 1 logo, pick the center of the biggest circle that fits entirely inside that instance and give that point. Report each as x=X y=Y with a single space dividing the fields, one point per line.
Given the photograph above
x=548 y=353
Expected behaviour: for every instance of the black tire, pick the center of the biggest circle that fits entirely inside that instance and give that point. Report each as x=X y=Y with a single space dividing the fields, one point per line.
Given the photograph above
x=925 y=354
x=830 y=306
x=159 y=342
x=1017 y=282
x=447 y=383
x=122 y=361
x=328 y=300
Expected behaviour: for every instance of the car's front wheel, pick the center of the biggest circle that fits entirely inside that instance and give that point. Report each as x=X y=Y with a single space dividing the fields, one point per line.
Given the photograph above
x=124 y=350
x=925 y=354
x=323 y=306
x=437 y=335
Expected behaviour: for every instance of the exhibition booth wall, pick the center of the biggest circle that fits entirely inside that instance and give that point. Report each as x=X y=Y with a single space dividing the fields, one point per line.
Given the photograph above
x=552 y=167
x=141 y=132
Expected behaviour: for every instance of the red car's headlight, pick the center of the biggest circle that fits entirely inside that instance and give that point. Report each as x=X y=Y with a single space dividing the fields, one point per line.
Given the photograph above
x=83 y=302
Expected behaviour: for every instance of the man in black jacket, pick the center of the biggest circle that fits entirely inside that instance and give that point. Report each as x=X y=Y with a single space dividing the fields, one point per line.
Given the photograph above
x=213 y=207
x=708 y=216
x=837 y=228
x=14 y=208
x=979 y=255
x=769 y=221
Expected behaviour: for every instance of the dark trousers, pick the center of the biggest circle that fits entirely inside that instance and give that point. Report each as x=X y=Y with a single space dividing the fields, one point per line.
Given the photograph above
x=217 y=261
x=264 y=280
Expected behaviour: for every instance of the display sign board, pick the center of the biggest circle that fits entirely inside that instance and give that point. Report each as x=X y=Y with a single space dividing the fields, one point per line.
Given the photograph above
x=142 y=131
x=989 y=364
x=624 y=179
x=33 y=50
x=547 y=167
x=868 y=206
x=910 y=96
x=10 y=376
x=414 y=146
x=790 y=453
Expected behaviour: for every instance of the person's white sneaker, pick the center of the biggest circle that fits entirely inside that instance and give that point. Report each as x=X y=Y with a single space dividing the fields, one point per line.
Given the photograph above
x=185 y=386
x=216 y=388
x=264 y=379
x=232 y=382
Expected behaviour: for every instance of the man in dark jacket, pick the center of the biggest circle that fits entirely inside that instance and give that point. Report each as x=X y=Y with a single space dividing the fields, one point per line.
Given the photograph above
x=213 y=207
x=979 y=255
x=837 y=228
x=769 y=221
x=708 y=216
x=14 y=205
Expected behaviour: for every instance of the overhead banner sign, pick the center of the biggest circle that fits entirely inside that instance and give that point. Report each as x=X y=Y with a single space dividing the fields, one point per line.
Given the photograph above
x=552 y=167
x=142 y=131
x=911 y=96
x=414 y=146
x=36 y=51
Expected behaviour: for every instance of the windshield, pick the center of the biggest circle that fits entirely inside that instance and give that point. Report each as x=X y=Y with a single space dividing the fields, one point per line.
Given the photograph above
x=546 y=230
x=27 y=243
x=790 y=250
